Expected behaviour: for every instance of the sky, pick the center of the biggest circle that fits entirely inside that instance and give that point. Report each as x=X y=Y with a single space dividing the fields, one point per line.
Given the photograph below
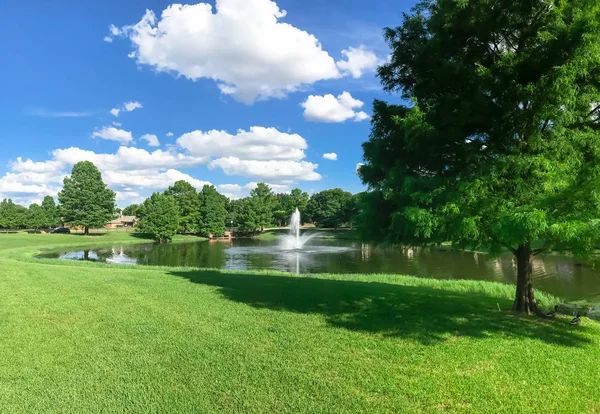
x=230 y=93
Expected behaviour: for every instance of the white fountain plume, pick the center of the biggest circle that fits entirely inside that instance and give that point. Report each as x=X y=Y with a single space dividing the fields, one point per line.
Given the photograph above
x=295 y=241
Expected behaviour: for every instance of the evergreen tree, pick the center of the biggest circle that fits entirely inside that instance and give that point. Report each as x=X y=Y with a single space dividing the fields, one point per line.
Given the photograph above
x=500 y=148
x=161 y=217
x=263 y=201
x=85 y=200
x=51 y=213
x=35 y=217
x=189 y=204
x=212 y=211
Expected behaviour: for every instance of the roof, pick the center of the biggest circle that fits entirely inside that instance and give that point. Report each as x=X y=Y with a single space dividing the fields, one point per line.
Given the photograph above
x=123 y=219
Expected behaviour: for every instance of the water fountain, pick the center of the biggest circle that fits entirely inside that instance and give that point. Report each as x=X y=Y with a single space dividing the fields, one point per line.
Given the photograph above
x=295 y=241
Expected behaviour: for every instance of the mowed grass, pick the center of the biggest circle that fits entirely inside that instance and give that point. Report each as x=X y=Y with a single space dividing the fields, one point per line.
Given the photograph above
x=83 y=337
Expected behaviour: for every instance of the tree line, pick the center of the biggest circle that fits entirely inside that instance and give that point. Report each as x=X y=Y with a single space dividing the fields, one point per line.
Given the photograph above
x=85 y=201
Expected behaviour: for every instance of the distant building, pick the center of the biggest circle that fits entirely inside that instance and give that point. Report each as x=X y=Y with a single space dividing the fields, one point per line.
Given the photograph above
x=122 y=221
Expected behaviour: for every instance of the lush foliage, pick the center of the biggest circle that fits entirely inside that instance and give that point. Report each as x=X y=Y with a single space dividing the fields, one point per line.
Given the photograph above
x=161 y=218
x=263 y=203
x=189 y=204
x=331 y=208
x=51 y=213
x=85 y=200
x=212 y=212
x=131 y=210
x=35 y=217
x=12 y=216
x=148 y=339
x=500 y=147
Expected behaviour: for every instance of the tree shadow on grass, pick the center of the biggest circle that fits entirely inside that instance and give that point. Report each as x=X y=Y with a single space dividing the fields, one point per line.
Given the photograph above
x=421 y=313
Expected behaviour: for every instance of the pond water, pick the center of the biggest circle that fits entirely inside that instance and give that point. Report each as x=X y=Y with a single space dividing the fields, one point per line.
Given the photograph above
x=563 y=276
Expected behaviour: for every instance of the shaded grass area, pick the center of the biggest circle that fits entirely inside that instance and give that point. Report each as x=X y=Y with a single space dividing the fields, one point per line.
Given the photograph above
x=93 y=338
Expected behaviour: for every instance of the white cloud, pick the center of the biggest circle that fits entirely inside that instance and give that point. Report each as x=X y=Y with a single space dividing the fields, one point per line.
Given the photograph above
x=243 y=46
x=330 y=156
x=358 y=61
x=108 y=39
x=358 y=165
x=114 y=134
x=151 y=139
x=235 y=191
x=258 y=143
x=268 y=170
x=328 y=108
x=117 y=124
x=129 y=158
x=44 y=113
x=131 y=106
x=127 y=107
x=150 y=179
x=169 y=134
x=36 y=167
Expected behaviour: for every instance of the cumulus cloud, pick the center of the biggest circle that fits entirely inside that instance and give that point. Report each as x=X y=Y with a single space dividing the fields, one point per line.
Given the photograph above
x=117 y=124
x=330 y=156
x=235 y=191
x=328 y=108
x=242 y=45
x=151 y=139
x=359 y=60
x=114 y=134
x=169 y=134
x=358 y=165
x=127 y=107
x=128 y=158
x=267 y=170
x=258 y=143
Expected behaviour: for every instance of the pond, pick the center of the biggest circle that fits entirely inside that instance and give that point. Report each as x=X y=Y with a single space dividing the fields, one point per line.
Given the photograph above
x=563 y=276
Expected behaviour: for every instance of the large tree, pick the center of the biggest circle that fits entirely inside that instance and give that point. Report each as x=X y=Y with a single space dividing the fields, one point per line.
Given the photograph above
x=500 y=145
x=161 y=217
x=85 y=200
x=330 y=208
x=263 y=202
x=189 y=204
x=212 y=211
x=51 y=213
x=35 y=217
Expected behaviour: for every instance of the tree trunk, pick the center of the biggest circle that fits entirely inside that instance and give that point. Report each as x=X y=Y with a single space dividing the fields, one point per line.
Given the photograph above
x=524 y=299
x=87 y=231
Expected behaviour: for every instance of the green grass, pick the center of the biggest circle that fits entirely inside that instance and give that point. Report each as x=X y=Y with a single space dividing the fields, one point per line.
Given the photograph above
x=85 y=337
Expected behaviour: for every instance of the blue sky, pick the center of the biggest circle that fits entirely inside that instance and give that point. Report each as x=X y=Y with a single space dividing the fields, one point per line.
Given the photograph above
x=192 y=70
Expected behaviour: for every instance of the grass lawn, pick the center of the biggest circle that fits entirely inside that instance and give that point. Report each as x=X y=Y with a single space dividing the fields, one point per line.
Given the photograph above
x=84 y=337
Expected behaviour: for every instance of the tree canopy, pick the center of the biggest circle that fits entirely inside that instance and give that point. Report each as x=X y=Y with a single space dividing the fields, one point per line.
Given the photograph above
x=131 y=210
x=499 y=147
x=263 y=202
x=85 y=200
x=212 y=212
x=189 y=204
x=51 y=213
x=161 y=219
x=330 y=208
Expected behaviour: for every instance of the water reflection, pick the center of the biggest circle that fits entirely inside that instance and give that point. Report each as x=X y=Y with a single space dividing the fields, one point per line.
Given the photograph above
x=563 y=276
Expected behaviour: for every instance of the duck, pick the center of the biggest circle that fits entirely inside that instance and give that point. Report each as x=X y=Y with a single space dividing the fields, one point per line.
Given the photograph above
x=576 y=320
x=552 y=313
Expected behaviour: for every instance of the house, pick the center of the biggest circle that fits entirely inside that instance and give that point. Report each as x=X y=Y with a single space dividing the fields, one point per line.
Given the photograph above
x=122 y=221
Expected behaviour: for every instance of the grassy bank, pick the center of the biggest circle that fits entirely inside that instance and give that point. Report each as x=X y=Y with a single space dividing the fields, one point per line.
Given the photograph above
x=85 y=337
